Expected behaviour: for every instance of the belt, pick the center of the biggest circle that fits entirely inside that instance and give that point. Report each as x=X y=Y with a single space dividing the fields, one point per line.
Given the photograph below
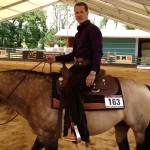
x=82 y=61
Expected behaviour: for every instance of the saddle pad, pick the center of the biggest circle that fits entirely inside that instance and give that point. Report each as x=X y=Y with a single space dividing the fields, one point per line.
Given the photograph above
x=91 y=102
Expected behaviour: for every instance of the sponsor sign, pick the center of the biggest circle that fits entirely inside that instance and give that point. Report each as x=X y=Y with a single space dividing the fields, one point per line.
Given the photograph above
x=127 y=59
x=3 y=53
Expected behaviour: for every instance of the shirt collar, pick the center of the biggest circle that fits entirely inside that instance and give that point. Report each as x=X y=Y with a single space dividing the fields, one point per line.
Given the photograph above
x=83 y=25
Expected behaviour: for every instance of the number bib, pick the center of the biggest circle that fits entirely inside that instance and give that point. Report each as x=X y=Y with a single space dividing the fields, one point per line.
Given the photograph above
x=114 y=101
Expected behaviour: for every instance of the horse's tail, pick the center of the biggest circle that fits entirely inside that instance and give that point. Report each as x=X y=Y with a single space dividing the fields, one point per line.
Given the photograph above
x=147 y=138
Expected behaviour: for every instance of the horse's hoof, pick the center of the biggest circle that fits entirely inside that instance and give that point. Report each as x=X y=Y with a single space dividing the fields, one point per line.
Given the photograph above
x=90 y=144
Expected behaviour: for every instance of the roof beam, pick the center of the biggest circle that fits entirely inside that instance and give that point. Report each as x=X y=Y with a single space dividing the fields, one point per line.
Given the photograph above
x=13 y=4
x=143 y=2
x=127 y=7
x=102 y=7
x=117 y=13
x=22 y=13
x=125 y=19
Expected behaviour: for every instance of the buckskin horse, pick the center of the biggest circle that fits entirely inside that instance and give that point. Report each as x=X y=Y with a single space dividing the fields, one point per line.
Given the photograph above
x=29 y=93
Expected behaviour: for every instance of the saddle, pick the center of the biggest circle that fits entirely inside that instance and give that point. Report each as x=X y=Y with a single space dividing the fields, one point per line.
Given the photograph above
x=104 y=90
x=103 y=84
x=63 y=79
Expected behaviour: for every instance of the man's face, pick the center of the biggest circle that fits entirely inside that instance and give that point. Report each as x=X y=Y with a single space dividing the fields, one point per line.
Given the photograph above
x=81 y=14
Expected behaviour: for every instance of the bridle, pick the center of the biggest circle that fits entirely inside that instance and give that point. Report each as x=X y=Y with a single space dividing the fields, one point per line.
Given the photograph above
x=44 y=60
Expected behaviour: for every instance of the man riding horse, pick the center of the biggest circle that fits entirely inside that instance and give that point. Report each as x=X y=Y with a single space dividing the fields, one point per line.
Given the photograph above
x=87 y=54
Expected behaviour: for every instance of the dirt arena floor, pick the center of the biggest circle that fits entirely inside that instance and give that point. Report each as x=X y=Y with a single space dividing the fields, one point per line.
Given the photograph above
x=17 y=134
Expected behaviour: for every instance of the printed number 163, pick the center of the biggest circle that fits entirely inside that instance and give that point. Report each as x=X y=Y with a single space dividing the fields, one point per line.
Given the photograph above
x=114 y=101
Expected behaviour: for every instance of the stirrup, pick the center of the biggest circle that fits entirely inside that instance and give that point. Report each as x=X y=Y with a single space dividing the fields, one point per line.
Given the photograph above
x=71 y=138
x=78 y=137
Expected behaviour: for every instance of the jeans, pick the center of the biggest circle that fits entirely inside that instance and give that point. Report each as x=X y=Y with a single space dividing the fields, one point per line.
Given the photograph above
x=73 y=94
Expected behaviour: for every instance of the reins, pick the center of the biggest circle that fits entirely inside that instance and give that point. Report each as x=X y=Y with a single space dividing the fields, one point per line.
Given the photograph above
x=10 y=119
x=25 y=77
x=19 y=85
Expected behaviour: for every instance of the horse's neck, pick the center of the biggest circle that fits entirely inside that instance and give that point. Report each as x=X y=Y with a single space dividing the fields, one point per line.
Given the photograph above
x=22 y=91
x=9 y=80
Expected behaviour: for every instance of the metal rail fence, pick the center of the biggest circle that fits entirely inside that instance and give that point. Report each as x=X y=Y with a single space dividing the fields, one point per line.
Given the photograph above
x=108 y=58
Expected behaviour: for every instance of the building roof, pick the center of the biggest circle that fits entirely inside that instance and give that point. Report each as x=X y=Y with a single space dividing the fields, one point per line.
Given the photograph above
x=132 y=12
x=108 y=33
x=13 y=8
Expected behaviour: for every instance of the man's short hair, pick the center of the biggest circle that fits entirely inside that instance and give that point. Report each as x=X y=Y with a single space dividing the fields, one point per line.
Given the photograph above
x=82 y=4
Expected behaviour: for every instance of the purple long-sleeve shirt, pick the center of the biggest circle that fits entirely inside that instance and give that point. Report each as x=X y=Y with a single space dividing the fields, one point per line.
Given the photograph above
x=88 y=45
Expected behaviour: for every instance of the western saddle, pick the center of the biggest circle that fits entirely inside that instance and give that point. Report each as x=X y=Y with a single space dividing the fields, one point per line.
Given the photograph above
x=103 y=84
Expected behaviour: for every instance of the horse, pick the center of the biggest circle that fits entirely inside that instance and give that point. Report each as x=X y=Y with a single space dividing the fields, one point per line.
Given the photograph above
x=29 y=93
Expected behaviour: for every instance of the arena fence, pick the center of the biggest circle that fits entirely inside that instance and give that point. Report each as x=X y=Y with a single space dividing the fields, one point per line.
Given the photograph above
x=108 y=58
x=30 y=54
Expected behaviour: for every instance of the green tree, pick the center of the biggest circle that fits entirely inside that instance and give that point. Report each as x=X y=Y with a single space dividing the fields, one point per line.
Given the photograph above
x=50 y=37
x=62 y=17
x=7 y=34
x=30 y=28
x=103 y=23
x=35 y=29
x=129 y=27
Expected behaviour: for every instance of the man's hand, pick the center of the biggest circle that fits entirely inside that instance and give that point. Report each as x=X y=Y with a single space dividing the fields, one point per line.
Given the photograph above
x=90 y=80
x=51 y=58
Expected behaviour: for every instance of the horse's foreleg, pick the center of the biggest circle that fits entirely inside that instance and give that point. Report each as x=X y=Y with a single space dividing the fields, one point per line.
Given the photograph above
x=49 y=143
x=50 y=140
x=37 y=145
x=52 y=145
x=121 y=130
